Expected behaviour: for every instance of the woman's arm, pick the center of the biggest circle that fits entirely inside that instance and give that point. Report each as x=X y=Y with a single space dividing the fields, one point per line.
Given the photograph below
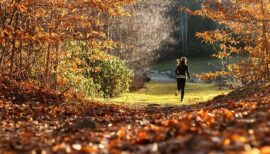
x=188 y=72
x=176 y=71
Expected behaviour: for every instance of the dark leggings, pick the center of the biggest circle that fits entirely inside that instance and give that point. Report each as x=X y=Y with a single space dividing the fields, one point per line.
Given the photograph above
x=181 y=82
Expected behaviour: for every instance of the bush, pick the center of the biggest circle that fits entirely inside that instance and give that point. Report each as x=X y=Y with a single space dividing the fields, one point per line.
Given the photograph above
x=93 y=72
x=81 y=84
x=112 y=74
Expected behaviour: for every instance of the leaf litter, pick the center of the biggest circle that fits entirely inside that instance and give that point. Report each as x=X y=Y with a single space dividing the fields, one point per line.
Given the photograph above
x=39 y=120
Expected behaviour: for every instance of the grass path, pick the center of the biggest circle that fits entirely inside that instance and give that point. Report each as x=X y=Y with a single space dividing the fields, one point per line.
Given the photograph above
x=161 y=90
x=163 y=93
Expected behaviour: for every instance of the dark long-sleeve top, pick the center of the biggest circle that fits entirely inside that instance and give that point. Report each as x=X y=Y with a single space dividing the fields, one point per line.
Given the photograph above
x=182 y=71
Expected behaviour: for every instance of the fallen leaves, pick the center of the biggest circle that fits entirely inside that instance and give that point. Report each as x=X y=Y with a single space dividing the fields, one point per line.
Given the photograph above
x=218 y=126
x=27 y=92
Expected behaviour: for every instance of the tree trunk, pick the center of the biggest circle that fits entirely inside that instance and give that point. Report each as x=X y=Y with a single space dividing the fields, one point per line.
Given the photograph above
x=46 y=74
x=184 y=29
x=266 y=47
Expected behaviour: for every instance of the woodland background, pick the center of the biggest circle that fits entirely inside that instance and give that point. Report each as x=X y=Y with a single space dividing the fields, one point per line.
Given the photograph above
x=56 y=54
x=40 y=42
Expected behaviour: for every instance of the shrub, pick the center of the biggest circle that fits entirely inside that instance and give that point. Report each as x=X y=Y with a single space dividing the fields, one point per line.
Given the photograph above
x=81 y=84
x=94 y=73
x=112 y=74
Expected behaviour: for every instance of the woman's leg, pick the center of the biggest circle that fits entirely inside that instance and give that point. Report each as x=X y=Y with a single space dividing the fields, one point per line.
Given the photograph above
x=179 y=85
x=183 y=83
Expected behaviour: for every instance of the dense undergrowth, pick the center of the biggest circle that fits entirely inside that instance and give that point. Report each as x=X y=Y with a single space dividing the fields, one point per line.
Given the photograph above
x=45 y=121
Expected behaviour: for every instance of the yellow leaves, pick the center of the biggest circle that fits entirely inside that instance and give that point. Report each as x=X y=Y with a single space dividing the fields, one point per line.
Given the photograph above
x=222 y=54
x=99 y=55
x=118 y=11
x=238 y=138
x=214 y=36
x=95 y=69
x=265 y=150
x=17 y=44
x=227 y=141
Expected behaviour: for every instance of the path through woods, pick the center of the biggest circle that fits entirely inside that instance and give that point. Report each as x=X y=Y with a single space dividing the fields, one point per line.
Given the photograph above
x=161 y=90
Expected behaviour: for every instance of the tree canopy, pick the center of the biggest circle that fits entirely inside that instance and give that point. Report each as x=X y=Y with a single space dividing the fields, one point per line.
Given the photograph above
x=244 y=30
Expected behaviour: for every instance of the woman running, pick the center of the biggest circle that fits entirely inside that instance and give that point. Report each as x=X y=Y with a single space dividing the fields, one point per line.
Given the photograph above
x=181 y=72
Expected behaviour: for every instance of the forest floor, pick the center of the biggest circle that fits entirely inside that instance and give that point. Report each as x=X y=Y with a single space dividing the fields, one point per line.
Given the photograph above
x=38 y=120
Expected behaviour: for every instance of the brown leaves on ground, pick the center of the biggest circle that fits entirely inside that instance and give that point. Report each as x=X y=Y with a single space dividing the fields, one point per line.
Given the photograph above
x=223 y=125
x=26 y=91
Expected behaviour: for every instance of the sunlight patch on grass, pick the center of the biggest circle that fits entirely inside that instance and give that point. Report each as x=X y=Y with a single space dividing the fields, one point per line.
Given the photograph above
x=163 y=94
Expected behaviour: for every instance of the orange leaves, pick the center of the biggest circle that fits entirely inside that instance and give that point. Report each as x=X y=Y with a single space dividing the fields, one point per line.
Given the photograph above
x=239 y=138
x=40 y=12
x=25 y=91
x=39 y=31
x=226 y=114
x=26 y=135
x=241 y=31
x=227 y=125
x=30 y=1
x=205 y=117
x=143 y=135
x=121 y=133
x=22 y=8
x=170 y=123
x=265 y=150
x=88 y=149
x=229 y=114
x=213 y=75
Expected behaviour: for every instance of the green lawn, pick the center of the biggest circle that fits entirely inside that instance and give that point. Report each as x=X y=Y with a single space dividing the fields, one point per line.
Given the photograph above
x=197 y=64
x=163 y=94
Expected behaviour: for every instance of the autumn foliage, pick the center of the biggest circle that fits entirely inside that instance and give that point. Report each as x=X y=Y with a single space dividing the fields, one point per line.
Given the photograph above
x=34 y=34
x=243 y=30
x=44 y=43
